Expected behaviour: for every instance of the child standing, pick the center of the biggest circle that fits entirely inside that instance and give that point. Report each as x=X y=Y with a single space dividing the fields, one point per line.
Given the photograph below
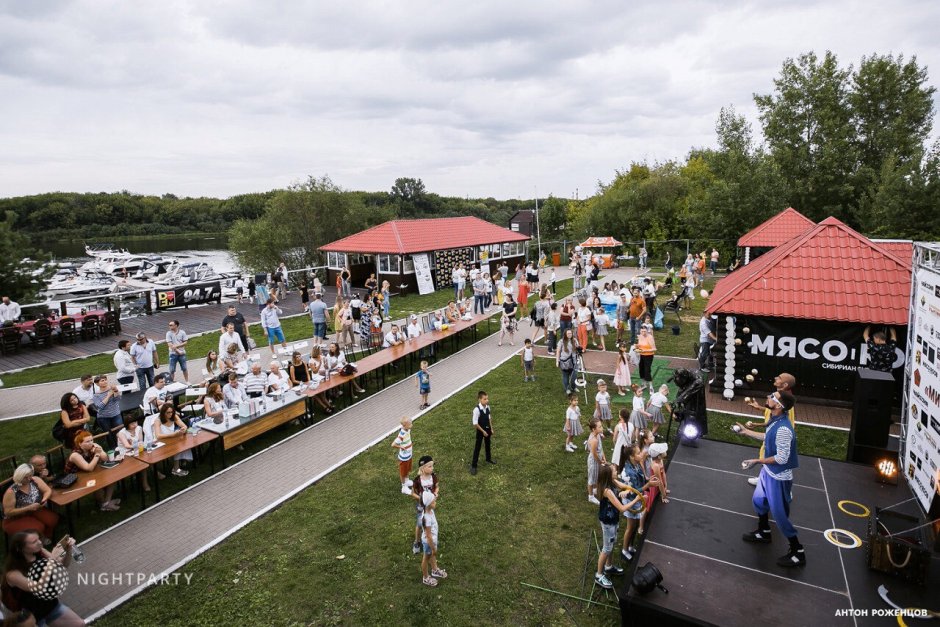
x=655 y=408
x=528 y=361
x=601 y=320
x=426 y=493
x=622 y=374
x=553 y=281
x=423 y=381
x=623 y=436
x=633 y=476
x=609 y=516
x=595 y=457
x=572 y=422
x=658 y=469
x=639 y=414
x=403 y=444
x=602 y=405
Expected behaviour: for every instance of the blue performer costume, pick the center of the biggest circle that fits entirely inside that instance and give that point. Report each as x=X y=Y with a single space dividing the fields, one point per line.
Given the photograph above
x=773 y=493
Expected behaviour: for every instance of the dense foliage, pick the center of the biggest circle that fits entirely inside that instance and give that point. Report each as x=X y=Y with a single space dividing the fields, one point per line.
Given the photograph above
x=851 y=143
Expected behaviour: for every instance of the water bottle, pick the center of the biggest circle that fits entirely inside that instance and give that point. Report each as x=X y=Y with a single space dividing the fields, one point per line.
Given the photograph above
x=78 y=556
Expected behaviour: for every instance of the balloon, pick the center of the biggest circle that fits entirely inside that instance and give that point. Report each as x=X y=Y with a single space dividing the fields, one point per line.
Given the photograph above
x=750 y=378
x=729 y=385
x=738 y=383
x=737 y=341
x=746 y=330
x=728 y=394
x=754 y=372
x=704 y=293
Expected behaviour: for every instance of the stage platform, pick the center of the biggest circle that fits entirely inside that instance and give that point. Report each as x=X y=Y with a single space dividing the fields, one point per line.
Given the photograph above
x=715 y=578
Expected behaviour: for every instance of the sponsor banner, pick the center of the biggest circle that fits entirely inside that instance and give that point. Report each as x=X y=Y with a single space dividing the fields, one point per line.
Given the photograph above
x=186 y=295
x=423 y=275
x=823 y=356
x=920 y=460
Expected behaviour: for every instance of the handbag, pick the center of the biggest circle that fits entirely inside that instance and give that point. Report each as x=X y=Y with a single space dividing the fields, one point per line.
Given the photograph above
x=348 y=370
x=58 y=431
x=634 y=357
x=65 y=480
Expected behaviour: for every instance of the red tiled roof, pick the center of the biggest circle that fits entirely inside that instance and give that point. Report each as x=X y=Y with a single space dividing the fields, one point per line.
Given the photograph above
x=416 y=236
x=779 y=229
x=903 y=248
x=829 y=273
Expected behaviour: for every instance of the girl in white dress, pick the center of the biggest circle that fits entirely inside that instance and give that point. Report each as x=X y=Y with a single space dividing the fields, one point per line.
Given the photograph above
x=655 y=407
x=639 y=415
x=572 y=422
x=602 y=405
x=623 y=436
x=622 y=374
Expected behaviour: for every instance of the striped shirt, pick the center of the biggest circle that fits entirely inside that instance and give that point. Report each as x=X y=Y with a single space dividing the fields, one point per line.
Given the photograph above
x=255 y=384
x=783 y=441
x=403 y=441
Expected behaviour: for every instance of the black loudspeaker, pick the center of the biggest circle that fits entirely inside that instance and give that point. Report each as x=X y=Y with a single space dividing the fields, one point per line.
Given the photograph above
x=871 y=414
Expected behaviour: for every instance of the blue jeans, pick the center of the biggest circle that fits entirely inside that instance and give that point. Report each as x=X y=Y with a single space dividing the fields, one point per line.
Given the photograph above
x=145 y=377
x=387 y=306
x=177 y=360
x=635 y=324
x=319 y=330
x=478 y=306
x=567 y=380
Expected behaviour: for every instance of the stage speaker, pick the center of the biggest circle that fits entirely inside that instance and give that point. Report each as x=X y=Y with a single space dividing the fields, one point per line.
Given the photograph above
x=871 y=413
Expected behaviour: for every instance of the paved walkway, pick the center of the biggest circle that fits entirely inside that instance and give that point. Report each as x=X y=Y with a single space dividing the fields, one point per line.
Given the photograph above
x=225 y=502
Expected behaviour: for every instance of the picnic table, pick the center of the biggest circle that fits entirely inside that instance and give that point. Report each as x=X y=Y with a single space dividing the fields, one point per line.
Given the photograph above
x=25 y=327
x=102 y=478
x=171 y=448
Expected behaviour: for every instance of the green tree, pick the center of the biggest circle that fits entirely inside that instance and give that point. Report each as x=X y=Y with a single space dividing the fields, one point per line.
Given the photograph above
x=807 y=123
x=553 y=219
x=297 y=221
x=22 y=269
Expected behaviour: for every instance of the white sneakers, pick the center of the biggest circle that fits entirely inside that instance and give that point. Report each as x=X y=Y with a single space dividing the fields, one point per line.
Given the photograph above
x=752 y=480
x=593 y=499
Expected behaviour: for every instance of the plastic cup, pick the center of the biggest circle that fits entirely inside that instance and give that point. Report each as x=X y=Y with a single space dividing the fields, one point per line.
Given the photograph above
x=111 y=456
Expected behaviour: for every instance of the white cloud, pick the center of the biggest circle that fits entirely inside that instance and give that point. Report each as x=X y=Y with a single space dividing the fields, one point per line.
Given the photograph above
x=479 y=99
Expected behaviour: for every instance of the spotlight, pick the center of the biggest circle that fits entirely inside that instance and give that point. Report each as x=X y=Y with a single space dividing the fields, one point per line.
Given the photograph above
x=648 y=577
x=689 y=432
x=887 y=471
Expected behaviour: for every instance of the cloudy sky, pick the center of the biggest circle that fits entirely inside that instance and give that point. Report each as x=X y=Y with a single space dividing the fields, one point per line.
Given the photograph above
x=478 y=98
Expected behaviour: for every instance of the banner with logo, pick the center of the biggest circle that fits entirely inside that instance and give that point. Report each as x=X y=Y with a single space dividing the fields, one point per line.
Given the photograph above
x=921 y=456
x=423 y=276
x=823 y=356
x=185 y=295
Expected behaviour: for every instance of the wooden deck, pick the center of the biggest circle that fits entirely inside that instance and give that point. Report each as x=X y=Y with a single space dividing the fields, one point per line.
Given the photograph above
x=194 y=320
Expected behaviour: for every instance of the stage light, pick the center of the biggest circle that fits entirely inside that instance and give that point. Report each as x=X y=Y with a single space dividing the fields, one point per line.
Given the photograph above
x=689 y=432
x=646 y=578
x=887 y=471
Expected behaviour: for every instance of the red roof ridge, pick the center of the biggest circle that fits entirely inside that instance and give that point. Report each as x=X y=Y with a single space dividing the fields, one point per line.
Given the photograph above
x=826 y=280
x=787 y=220
x=406 y=236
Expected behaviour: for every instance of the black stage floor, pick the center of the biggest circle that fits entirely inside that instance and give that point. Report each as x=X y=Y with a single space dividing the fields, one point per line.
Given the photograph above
x=715 y=578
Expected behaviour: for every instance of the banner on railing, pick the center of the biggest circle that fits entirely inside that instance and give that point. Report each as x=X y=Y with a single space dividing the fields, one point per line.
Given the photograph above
x=186 y=295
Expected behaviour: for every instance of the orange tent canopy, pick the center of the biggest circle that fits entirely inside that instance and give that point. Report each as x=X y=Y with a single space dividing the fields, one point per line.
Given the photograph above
x=600 y=242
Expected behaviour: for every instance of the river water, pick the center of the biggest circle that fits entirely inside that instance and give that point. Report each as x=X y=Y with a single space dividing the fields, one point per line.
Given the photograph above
x=210 y=249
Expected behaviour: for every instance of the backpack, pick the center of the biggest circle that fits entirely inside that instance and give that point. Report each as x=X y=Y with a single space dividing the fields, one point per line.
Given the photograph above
x=58 y=431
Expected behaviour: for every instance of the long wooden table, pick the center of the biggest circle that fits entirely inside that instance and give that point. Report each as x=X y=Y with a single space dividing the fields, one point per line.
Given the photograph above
x=103 y=477
x=174 y=447
x=235 y=431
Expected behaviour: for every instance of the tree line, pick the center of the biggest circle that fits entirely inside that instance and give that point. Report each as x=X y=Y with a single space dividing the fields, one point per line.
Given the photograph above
x=841 y=141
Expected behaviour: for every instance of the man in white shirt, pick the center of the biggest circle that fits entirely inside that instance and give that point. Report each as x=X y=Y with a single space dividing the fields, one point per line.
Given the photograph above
x=155 y=396
x=706 y=340
x=256 y=382
x=393 y=337
x=277 y=380
x=232 y=392
x=228 y=338
x=124 y=363
x=85 y=390
x=414 y=329
x=9 y=310
x=146 y=360
x=272 y=325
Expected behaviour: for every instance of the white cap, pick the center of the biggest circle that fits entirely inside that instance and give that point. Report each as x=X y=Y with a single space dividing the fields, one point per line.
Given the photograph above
x=658 y=448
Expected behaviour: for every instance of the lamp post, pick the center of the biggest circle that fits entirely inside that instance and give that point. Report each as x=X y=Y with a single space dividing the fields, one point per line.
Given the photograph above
x=538 y=234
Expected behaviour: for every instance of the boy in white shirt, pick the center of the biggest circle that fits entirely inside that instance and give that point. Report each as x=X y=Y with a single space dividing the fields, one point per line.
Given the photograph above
x=528 y=361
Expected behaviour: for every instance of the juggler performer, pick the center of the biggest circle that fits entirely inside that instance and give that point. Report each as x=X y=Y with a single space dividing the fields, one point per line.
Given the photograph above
x=775 y=483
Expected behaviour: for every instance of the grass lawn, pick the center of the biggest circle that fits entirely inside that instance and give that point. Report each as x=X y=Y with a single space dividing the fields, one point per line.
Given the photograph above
x=340 y=552
x=295 y=328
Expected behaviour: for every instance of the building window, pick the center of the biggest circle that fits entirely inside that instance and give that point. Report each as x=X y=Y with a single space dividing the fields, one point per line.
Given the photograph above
x=495 y=250
x=408 y=264
x=513 y=249
x=514 y=227
x=389 y=264
x=336 y=261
